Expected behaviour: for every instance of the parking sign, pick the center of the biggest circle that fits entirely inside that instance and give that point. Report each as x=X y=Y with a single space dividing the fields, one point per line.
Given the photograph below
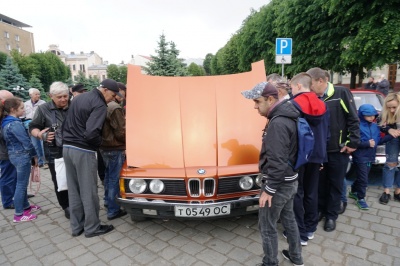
x=283 y=51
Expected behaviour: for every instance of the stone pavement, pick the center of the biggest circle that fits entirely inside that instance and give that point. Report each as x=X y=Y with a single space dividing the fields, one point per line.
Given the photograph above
x=362 y=238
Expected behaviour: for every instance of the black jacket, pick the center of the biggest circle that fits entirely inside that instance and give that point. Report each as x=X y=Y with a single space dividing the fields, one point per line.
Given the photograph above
x=86 y=115
x=344 y=125
x=42 y=119
x=279 y=147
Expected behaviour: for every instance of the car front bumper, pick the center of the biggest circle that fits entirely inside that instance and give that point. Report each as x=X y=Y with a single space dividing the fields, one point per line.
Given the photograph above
x=167 y=210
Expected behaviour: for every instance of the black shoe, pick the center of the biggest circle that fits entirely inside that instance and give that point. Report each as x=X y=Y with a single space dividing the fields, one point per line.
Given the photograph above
x=320 y=216
x=66 y=212
x=119 y=214
x=11 y=207
x=103 y=229
x=285 y=254
x=343 y=206
x=77 y=234
x=384 y=199
x=330 y=225
x=30 y=196
x=396 y=196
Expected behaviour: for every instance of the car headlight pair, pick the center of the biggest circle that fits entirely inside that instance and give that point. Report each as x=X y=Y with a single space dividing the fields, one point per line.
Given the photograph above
x=138 y=186
x=247 y=182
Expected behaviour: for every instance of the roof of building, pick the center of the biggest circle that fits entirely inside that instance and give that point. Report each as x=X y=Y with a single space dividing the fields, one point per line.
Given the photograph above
x=12 y=21
x=98 y=67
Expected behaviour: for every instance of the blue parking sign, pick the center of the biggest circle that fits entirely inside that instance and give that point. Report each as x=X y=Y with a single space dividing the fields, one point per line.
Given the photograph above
x=283 y=46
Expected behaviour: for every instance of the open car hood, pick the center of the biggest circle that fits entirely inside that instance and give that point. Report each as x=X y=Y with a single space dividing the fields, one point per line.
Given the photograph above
x=182 y=125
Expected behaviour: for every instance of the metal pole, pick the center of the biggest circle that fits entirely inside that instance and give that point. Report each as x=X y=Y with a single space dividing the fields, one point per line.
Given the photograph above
x=283 y=73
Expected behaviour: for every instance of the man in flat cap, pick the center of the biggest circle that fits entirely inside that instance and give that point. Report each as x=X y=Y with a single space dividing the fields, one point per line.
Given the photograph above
x=82 y=138
x=278 y=153
x=78 y=89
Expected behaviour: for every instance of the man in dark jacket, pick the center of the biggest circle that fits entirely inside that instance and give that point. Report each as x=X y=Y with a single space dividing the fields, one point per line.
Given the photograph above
x=278 y=152
x=344 y=130
x=82 y=137
x=47 y=115
x=113 y=152
x=315 y=112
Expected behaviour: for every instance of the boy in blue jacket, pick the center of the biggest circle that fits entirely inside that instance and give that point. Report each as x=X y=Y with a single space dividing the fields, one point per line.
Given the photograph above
x=365 y=153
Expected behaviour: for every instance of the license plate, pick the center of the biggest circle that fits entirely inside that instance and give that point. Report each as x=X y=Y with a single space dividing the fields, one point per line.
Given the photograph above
x=181 y=211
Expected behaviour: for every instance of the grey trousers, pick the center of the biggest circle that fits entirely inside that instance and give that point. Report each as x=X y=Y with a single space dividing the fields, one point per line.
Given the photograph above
x=81 y=170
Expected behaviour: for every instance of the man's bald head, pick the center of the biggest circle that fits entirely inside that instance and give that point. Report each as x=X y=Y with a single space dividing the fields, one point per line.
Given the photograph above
x=5 y=94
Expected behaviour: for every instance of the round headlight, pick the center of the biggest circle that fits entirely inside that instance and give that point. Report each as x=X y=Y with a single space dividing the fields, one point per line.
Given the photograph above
x=259 y=180
x=246 y=182
x=137 y=186
x=156 y=186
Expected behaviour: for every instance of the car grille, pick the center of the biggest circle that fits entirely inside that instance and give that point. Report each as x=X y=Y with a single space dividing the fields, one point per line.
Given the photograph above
x=231 y=185
x=196 y=187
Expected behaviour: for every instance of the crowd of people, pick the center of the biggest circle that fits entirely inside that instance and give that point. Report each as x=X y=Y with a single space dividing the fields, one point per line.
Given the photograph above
x=300 y=198
x=85 y=129
x=39 y=133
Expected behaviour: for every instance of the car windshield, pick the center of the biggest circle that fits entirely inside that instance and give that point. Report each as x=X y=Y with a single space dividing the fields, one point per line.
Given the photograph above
x=371 y=98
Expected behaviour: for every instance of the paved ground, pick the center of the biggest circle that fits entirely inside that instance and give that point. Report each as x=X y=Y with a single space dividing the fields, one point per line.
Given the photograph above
x=362 y=238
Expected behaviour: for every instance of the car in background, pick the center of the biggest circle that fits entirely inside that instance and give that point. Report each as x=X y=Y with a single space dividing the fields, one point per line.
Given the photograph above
x=375 y=98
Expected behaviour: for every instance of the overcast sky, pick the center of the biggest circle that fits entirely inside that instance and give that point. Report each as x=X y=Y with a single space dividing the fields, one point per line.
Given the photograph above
x=118 y=29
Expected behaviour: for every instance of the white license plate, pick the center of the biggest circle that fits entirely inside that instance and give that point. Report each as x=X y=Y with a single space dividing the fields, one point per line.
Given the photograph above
x=181 y=211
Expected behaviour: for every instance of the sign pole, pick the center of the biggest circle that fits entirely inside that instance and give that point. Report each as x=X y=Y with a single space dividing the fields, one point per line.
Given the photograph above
x=283 y=73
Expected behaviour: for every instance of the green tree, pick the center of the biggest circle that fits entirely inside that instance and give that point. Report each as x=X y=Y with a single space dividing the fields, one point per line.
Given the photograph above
x=196 y=70
x=113 y=72
x=167 y=61
x=92 y=82
x=26 y=64
x=207 y=64
x=50 y=69
x=12 y=80
x=117 y=73
x=123 y=74
x=3 y=58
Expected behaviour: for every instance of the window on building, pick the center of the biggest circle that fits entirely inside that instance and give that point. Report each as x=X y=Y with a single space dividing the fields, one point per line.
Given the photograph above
x=103 y=77
x=6 y=35
x=82 y=68
x=73 y=67
x=18 y=48
x=17 y=38
x=8 y=47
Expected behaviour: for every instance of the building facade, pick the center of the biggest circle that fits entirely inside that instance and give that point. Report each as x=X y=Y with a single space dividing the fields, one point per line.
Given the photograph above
x=90 y=64
x=13 y=37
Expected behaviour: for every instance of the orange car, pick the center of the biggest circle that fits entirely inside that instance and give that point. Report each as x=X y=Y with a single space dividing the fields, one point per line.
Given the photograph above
x=192 y=146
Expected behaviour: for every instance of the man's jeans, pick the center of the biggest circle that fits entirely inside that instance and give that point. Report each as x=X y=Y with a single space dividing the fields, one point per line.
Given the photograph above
x=391 y=175
x=8 y=181
x=22 y=162
x=113 y=160
x=38 y=144
x=282 y=207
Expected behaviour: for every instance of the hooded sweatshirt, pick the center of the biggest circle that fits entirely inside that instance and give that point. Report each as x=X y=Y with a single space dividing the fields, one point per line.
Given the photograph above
x=368 y=130
x=314 y=110
x=16 y=137
x=279 y=147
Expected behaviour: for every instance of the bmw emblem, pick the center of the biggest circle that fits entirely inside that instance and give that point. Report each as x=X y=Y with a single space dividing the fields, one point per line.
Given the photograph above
x=201 y=171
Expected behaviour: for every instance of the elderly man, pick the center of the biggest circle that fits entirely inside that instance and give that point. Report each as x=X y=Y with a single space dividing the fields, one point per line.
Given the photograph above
x=30 y=107
x=8 y=174
x=278 y=153
x=383 y=85
x=47 y=115
x=82 y=138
